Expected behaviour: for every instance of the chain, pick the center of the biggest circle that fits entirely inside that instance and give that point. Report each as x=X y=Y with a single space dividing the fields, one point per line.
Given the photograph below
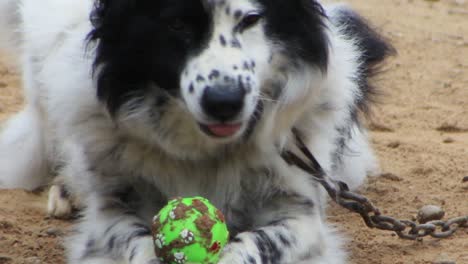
x=372 y=216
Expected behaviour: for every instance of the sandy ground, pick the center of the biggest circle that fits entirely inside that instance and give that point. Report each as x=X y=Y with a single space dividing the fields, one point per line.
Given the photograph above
x=419 y=130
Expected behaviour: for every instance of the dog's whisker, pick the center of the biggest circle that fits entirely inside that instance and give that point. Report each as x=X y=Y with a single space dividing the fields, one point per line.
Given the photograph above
x=265 y=98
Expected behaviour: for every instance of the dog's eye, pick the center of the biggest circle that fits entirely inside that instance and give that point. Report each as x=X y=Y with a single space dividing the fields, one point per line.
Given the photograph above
x=250 y=20
x=176 y=24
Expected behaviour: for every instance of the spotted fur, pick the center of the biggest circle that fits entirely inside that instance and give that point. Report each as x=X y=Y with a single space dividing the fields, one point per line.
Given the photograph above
x=132 y=102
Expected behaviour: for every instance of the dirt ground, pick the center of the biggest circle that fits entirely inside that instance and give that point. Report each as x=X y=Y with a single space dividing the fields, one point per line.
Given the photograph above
x=419 y=130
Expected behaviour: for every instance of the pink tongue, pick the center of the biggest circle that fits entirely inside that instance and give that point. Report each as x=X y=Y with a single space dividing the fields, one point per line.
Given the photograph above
x=224 y=130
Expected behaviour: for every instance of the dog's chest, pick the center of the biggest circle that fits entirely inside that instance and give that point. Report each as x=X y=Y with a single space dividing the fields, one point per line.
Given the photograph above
x=237 y=191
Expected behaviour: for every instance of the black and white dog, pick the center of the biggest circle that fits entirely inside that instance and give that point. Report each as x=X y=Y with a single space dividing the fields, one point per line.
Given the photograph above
x=132 y=102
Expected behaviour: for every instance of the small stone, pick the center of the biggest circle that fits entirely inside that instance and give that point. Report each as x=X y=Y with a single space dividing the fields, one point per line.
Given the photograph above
x=54 y=232
x=465 y=181
x=430 y=213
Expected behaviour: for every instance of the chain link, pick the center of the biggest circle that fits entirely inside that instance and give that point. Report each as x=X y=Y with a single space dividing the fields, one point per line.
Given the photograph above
x=372 y=216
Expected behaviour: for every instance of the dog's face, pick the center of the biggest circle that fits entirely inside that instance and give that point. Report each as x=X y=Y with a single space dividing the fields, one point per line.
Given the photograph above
x=197 y=76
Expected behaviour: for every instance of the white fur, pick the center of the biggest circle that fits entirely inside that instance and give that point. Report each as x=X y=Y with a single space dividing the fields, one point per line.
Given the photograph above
x=9 y=37
x=63 y=123
x=22 y=160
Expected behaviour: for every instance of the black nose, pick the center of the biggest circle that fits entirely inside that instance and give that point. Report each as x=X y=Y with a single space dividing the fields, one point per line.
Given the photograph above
x=223 y=103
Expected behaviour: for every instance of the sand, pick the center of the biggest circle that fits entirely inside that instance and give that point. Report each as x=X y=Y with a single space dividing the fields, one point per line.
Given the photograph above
x=419 y=129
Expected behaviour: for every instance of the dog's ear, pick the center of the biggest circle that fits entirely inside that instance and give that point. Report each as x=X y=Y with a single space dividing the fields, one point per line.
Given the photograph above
x=314 y=25
x=374 y=47
x=106 y=15
x=300 y=25
x=110 y=32
x=373 y=50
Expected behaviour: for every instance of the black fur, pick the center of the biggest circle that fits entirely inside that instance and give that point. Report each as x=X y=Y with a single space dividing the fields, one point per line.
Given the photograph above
x=144 y=42
x=299 y=25
x=132 y=254
x=251 y=260
x=374 y=50
x=269 y=251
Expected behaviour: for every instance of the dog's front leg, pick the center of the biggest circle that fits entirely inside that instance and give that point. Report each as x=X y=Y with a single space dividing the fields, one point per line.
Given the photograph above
x=289 y=230
x=111 y=232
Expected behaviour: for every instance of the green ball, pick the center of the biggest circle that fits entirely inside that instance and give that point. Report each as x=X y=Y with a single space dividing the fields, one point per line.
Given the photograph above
x=189 y=230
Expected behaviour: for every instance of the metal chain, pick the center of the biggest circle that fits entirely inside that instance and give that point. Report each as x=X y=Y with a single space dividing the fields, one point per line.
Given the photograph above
x=372 y=216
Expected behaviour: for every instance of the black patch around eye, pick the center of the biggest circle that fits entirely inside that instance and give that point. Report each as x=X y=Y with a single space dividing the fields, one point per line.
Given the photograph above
x=139 y=43
x=177 y=25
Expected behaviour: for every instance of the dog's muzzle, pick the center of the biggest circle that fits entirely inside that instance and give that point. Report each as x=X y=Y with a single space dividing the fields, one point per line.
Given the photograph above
x=223 y=104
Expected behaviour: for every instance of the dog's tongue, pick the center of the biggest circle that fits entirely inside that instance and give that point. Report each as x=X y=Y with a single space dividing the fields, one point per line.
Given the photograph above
x=224 y=130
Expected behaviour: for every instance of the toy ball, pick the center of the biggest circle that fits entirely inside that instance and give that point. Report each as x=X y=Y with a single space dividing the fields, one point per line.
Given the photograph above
x=189 y=230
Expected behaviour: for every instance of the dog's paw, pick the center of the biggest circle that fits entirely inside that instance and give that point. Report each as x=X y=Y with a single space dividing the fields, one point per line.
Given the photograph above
x=143 y=252
x=59 y=204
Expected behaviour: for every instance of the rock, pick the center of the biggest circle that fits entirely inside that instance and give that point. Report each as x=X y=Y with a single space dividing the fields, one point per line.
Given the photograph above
x=430 y=213
x=465 y=181
x=54 y=232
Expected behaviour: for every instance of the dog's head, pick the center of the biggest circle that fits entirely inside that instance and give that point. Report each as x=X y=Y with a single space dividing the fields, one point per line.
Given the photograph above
x=197 y=76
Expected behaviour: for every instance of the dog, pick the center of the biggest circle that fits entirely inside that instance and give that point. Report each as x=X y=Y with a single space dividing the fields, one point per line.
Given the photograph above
x=133 y=102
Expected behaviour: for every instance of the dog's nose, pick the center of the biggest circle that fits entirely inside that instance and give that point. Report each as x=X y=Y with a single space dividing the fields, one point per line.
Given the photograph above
x=223 y=103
